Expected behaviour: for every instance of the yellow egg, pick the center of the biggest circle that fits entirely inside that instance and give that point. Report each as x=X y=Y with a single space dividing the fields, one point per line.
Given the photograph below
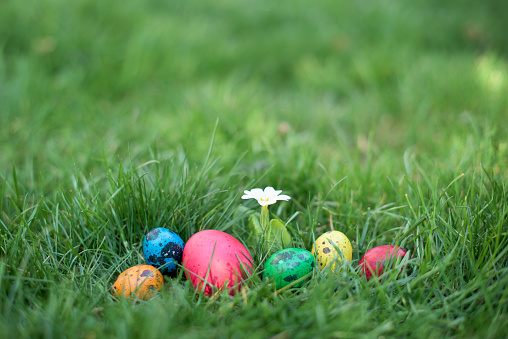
x=324 y=248
x=138 y=282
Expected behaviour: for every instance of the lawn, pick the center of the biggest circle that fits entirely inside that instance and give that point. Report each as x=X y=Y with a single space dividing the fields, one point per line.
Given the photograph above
x=385 y=120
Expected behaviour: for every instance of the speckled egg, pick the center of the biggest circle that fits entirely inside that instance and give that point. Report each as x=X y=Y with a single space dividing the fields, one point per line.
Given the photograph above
x=163 y=248
x=138 y=282
x=217 y=257
x=374 y=260
x=288 y=265
x=325 y=249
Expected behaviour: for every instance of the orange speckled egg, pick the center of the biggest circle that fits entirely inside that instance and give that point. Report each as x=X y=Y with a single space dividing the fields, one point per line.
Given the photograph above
x=138 y=282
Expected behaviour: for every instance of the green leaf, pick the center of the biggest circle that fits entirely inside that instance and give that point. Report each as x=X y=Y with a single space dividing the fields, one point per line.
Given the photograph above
x=255 y=229
x=277 y=234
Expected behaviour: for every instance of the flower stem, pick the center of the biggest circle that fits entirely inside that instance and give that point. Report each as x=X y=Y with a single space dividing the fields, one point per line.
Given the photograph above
x=265 y=217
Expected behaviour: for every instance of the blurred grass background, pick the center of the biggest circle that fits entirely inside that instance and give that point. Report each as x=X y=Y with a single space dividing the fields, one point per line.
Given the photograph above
x=382 y=78
x=107 y=114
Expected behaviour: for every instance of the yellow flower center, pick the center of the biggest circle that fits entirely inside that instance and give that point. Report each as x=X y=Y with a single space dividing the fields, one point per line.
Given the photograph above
x=262 y=199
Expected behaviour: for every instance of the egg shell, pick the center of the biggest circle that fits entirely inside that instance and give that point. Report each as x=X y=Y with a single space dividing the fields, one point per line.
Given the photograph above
x=138 y=282
x=325 y=251
x=374 y=260
x=163 y=247
x=219 y=255
x=288 y=265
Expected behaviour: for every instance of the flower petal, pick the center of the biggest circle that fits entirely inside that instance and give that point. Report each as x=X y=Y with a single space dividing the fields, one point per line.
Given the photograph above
x=255 y=193
x=283 y=197
x=270 y=193
x=266 y=203
x=269 y=190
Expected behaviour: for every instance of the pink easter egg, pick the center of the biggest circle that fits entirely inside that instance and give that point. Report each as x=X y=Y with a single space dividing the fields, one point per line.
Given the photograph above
x=373 y=262
x=218 y=257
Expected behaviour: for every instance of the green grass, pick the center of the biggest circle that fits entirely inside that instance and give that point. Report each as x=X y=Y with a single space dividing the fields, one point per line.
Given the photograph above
x=385 y=120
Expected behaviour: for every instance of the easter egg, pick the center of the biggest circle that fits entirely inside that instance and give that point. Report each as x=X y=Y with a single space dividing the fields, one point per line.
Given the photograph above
x=376 y=259
x=138 y=282
x=163 y=248
x=217 y=257
x=325 y=249
x=288 y=265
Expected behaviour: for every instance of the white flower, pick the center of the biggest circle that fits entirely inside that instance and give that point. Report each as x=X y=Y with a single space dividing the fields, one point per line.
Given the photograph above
x=267 y=197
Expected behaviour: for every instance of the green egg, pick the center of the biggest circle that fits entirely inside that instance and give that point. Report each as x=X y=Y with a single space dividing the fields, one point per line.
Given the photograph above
x=288 y=265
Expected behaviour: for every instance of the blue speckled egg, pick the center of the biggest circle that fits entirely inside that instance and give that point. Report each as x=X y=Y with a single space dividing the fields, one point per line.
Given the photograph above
x=163 y=247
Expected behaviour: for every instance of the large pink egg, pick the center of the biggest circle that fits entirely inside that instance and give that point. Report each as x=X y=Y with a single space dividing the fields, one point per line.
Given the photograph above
x=220 y=252
x=374 y=260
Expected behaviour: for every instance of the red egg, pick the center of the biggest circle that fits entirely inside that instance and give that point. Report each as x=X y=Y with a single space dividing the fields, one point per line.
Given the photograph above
x=372 y=263
x=219 y=255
